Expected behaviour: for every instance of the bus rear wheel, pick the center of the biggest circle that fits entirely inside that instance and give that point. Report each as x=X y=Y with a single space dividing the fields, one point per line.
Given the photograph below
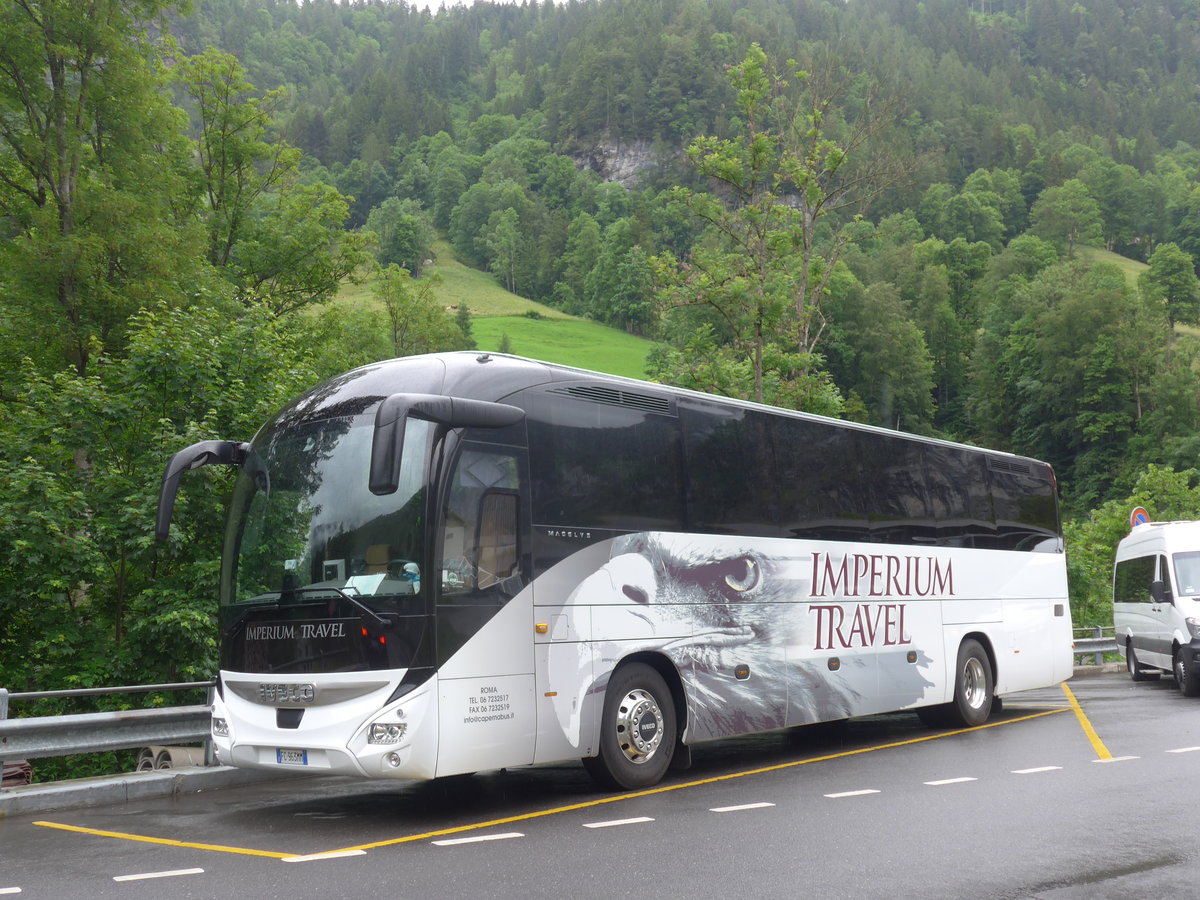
x=637 y=730
x=974 y=693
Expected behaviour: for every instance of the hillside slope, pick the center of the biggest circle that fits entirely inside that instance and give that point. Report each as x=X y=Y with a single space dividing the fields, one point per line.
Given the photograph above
x=533 y=329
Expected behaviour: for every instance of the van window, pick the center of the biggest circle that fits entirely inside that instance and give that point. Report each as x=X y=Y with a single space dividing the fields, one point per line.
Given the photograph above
x=1187 y=573
x=1131 y=581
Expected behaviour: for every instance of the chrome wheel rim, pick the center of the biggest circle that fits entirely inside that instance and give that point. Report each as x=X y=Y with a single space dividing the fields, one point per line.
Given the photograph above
x=639 y=726
x=974 y=683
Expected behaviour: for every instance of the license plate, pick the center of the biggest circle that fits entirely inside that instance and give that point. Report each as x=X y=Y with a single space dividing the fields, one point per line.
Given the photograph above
x=291 y=757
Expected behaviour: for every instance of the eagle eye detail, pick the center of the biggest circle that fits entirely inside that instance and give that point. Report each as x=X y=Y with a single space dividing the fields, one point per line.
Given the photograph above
x=743 y=575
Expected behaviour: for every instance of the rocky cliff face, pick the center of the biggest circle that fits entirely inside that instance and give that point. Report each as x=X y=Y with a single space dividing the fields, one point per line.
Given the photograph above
x=619 y=161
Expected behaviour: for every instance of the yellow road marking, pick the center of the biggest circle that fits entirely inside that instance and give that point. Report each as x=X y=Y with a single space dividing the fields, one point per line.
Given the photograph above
x=618 y=798
x=96 y=832
x=491 y=823
x=1097 y=744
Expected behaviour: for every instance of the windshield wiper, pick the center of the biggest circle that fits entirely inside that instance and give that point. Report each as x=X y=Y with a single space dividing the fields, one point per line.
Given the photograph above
x=365 y=611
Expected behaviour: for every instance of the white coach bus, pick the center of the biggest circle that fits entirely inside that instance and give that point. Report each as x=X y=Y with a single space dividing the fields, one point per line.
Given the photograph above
x=467 y=561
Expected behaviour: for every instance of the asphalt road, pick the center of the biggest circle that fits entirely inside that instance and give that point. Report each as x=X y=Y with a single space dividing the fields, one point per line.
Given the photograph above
x=1077 y=793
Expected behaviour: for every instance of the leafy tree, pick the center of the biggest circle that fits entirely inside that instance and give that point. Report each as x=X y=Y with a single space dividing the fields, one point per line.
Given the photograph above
x=87 y=592
x=1167 y=494
x=462 y=318
x=1106 y=422
x=973 y=216
x=277 y=238
x=418 y=322
x=1067 y=215
x=1116 y=189
x=472 y=218
x=1172 y=277
x=1051 y=365
x=881 y=355
x=582 y=251
x=342 y=336
x=1005 y=186
x=504 y=242
x=760 y=269
x=451 y=172
x=620 y=287
x=1186 y=233
x=1024 y=257
x=404 y=231
x=238 y=164
x=90 y=166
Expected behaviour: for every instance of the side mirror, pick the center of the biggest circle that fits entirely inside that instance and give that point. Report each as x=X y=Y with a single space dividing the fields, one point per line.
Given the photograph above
x=205 y=453
x=1158 y=591
x=387 y=443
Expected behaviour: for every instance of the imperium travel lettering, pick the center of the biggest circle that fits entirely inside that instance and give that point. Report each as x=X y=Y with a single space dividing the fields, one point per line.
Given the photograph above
x=270 y=632
x=881 y=575
x=871 y=624
x=324 y=630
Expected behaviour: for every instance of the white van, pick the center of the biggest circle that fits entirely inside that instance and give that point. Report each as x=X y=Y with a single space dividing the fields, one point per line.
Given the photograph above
x=1156 y=602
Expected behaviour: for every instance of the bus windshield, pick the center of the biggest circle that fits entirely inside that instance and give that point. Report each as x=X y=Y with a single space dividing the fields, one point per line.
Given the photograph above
x=308 y=543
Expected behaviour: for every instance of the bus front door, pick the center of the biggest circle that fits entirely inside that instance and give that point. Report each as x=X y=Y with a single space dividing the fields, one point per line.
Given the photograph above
x=484 y=614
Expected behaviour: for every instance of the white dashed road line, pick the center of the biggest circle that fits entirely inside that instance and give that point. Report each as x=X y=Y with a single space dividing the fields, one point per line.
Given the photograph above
x=1184 y=750
x=478 y=839
x=862 y=793
x=1116 y=759
x=11 y=890
x=1036 y=770
x=146 y=875
x=613 y=823
x=335 y=854
x=721 y=809
x=962 y=780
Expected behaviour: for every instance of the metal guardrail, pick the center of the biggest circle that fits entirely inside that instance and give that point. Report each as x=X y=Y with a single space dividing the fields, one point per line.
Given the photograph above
x=47 y=736
x=1095 y=642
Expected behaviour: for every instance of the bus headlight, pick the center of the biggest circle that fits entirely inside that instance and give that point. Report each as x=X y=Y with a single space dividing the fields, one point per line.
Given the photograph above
x=1193 y=625
x=386 y=732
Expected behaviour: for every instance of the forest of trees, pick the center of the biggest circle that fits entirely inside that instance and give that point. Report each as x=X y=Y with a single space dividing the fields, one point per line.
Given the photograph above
x=885 y=210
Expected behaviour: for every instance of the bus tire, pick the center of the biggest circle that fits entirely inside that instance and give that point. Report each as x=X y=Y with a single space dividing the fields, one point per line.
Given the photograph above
x=1136 y=672
x=973 y=688
x=974 y=697
x=1187 y=678
x=637 y=730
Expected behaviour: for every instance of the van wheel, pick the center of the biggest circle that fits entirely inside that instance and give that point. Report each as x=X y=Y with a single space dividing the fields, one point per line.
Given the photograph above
x=637 y=730
x=1136 y=672
x=1186 y=677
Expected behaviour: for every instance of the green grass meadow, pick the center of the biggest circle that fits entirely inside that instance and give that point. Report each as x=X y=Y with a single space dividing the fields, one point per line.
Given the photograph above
x=548 y=334
x=1131 y=267
x=573 y=342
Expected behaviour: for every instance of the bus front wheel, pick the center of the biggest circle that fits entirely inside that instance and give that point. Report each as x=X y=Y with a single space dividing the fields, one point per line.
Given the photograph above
x=637 y=730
